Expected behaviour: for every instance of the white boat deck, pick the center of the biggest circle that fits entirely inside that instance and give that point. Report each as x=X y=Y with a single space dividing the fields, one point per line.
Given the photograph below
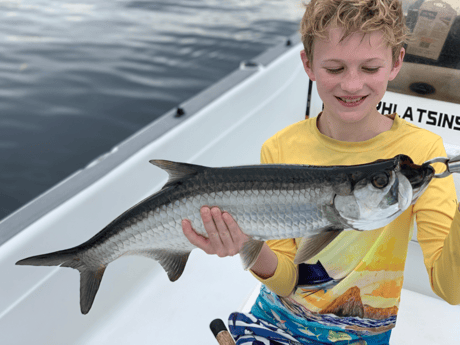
x=136 y=303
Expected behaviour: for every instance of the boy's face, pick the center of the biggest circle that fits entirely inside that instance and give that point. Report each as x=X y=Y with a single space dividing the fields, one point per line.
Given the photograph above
x=355 y=70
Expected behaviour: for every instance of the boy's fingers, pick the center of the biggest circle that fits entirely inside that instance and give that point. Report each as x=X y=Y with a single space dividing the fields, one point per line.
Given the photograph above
x=194 y=238
x=238 y=236
x=225 y=236
x=211 y=230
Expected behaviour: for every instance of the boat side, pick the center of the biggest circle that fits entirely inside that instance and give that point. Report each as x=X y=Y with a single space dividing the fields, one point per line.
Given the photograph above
x=37 y=298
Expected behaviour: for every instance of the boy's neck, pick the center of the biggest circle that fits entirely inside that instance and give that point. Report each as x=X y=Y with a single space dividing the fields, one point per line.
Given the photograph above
x=368 y=128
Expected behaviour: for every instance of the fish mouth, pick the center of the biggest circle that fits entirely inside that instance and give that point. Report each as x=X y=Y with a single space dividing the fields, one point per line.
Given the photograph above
x=419 y=176
x=393 y=195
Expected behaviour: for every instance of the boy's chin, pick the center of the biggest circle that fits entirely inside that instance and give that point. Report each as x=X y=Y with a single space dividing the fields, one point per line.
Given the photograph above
x=351 y=116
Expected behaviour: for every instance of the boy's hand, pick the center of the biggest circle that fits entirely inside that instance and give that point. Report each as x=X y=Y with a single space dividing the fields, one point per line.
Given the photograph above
x=225 y=237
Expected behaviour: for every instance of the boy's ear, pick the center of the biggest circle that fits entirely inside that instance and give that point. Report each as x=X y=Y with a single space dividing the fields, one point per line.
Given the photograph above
x=398 y=64
x=307 y=65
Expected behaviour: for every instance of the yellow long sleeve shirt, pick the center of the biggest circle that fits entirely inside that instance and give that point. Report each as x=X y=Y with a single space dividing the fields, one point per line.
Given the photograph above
x=369 y=265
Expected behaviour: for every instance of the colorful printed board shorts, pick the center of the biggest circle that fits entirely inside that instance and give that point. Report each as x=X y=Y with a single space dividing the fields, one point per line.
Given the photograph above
x=270 y=323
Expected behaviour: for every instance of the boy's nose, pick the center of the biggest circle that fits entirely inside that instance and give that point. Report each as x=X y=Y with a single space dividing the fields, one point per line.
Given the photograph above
x=352 y=82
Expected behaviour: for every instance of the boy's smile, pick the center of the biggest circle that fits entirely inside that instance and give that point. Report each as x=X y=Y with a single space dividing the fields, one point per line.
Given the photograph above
x=351 y=77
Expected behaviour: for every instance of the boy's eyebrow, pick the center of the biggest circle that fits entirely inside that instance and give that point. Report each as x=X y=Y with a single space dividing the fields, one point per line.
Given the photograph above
x=338 y=60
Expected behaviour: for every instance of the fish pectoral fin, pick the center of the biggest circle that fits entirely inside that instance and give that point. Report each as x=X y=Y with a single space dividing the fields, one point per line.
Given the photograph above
x=310 y=246
x=177 y=170
x=172 y=262
x=250 y=252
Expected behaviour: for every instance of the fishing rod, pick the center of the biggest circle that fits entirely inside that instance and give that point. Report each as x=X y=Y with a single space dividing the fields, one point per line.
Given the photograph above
x=221 y=333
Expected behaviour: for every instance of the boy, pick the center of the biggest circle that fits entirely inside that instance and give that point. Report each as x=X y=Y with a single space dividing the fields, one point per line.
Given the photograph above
x=348 y=293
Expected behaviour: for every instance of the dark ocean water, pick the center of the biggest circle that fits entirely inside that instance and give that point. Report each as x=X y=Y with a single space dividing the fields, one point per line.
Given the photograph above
x=78 y=77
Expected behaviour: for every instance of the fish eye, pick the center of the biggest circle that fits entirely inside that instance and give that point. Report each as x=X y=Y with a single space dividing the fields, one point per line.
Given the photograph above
x=380 y=180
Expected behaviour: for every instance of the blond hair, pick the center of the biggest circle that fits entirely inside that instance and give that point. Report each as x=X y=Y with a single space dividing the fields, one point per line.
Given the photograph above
x=354 y=15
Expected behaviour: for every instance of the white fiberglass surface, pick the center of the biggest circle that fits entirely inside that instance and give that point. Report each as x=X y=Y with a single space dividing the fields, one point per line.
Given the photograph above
x=136 y=303
x=424 y=320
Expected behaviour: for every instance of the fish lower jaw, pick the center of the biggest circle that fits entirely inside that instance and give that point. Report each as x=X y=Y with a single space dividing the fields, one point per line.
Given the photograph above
x=373 y=224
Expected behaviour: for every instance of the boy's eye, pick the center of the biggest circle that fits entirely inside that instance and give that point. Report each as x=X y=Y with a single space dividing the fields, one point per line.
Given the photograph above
x=366 y=69
x=371 y=70
x=334 y=70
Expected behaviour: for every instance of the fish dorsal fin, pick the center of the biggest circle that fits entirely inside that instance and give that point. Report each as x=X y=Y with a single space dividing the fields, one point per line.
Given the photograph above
x=310 y=246
x=177 y=170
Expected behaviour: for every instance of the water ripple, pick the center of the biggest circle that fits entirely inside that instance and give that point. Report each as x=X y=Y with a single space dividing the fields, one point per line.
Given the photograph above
x=78 y=77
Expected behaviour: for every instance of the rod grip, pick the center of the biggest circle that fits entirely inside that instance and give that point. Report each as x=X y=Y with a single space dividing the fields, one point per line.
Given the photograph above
x=221 y=333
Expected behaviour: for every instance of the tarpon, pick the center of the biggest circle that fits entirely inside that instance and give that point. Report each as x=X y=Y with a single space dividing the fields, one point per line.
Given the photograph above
x=267 y=201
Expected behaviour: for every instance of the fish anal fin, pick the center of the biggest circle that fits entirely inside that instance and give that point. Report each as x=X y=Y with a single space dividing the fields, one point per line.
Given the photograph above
x=172 y=262
x=310 y=246
x=177 y=170
x=90 y=280
x=250 y=252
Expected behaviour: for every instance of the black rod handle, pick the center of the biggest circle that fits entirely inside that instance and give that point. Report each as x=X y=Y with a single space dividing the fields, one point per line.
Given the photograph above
x=221 y=333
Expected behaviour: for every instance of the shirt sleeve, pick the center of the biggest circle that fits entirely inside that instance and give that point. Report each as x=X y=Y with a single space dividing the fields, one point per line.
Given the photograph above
x=269 y=154
x=438 y=233
x=284 y=279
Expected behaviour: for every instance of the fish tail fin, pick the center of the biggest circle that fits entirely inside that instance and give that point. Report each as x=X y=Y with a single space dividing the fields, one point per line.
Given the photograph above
x=90 y=278
x=60 y=258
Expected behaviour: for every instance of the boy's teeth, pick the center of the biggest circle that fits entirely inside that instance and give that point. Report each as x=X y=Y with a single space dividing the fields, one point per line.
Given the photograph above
x=351 y=100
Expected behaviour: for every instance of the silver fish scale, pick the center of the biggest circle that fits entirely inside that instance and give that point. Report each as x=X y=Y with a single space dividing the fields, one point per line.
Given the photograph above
x=279 y=214
x=280 y=211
